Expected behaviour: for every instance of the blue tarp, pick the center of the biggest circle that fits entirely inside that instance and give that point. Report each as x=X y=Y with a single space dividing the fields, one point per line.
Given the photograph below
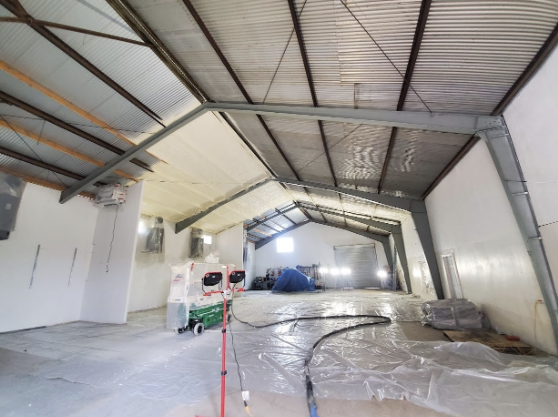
x=292 y=280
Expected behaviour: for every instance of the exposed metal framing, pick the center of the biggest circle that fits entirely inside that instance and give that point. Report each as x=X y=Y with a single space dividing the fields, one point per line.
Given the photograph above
x=271 y=216
x=41 y=164
x=66 y=126
x=304 y=56
x=235 y=78
x=287 y=217
x=71 y=29
x=142 y=29
x=264 y=242
x=437 y=122
x=17 y=9
x=417 y=41
x=58 y=147
x=382 y=199
x=502 y=150
x=191 y=220
x=457 y=123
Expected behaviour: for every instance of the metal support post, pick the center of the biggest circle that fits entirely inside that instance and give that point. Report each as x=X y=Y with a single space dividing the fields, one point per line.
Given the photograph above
x=507 y=164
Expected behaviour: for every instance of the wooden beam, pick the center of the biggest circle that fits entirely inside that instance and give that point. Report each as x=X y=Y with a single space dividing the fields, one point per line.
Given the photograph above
x=38 y=181
x=61 y=100
x=262 y=232
x=61 y=148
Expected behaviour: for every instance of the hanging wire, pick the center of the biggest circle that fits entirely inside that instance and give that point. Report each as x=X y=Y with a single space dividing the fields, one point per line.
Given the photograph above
x=284 y=51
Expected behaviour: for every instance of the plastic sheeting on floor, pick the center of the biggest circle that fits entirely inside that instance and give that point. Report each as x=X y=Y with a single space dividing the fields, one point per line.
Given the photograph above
x=146 y=370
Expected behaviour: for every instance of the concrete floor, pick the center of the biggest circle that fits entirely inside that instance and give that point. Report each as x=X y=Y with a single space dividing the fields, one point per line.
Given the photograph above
x=141 y=369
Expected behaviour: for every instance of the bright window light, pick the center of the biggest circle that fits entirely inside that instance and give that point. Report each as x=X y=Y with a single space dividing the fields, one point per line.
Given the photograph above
x=285 y=244
x=382 y=274
x=207 y=239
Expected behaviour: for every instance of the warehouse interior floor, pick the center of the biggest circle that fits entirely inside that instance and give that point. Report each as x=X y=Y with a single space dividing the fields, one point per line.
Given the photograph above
x=142 y=369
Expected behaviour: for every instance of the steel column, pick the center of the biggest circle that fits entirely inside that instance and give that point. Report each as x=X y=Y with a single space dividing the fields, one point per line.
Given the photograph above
x=502 y=150
x=422 y=226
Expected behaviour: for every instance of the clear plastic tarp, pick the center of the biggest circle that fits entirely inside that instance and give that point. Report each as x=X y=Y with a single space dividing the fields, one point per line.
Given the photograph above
x=151 y=370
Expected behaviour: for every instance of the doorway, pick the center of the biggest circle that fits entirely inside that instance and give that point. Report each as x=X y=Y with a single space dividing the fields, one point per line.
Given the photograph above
x=362 y=263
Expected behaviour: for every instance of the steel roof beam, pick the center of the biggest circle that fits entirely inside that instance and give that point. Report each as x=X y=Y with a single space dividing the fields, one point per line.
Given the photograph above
x=66 y=126
x=437 y=122
x=191 y=220
x=131 y=153
x=15 y=7
x=386 y=200
x=235 y=78
x=304 y=56
x=420 y=120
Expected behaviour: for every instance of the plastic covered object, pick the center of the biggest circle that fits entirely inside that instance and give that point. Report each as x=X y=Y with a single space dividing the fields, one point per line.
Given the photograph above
x=291 y=280
x=452 y=314
x=11 y=191
x=177 y=306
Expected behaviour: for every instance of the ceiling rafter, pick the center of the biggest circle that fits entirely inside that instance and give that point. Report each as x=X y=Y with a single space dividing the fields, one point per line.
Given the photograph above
x=42 y=164
x=41 y=182
x=142 y=29
x=51 y=144
x=415 y=49
x=17 y=9
x=236 y=80
x=66 y=126
x=308 y=71
x=71 y=29
x=62 y=101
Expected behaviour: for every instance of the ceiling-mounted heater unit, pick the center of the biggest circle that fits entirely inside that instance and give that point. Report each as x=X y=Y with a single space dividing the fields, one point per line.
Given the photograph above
x=110 y=195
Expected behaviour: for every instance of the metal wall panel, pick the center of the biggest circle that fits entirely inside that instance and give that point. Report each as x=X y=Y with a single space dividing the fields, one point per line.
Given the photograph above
x=363 y=263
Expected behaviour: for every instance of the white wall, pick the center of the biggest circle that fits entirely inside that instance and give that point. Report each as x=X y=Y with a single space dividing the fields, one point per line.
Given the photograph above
x=230 y=246
x=107 y=288
x=59 y=229
x=313 y=244
x=470 y=216
x=531 y=120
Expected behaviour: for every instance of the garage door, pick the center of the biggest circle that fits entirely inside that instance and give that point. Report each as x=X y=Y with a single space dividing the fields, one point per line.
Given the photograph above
x=363 y=264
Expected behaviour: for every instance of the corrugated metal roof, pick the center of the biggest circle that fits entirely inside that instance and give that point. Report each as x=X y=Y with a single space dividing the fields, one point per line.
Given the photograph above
x=417 y=158
x=94 y=15
x=473 y=51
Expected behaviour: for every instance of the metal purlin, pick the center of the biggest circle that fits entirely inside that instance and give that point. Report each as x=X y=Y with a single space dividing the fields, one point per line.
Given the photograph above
x=502 y=150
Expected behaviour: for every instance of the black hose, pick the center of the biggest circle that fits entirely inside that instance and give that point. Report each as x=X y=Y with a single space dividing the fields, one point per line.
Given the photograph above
x=312 y=407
